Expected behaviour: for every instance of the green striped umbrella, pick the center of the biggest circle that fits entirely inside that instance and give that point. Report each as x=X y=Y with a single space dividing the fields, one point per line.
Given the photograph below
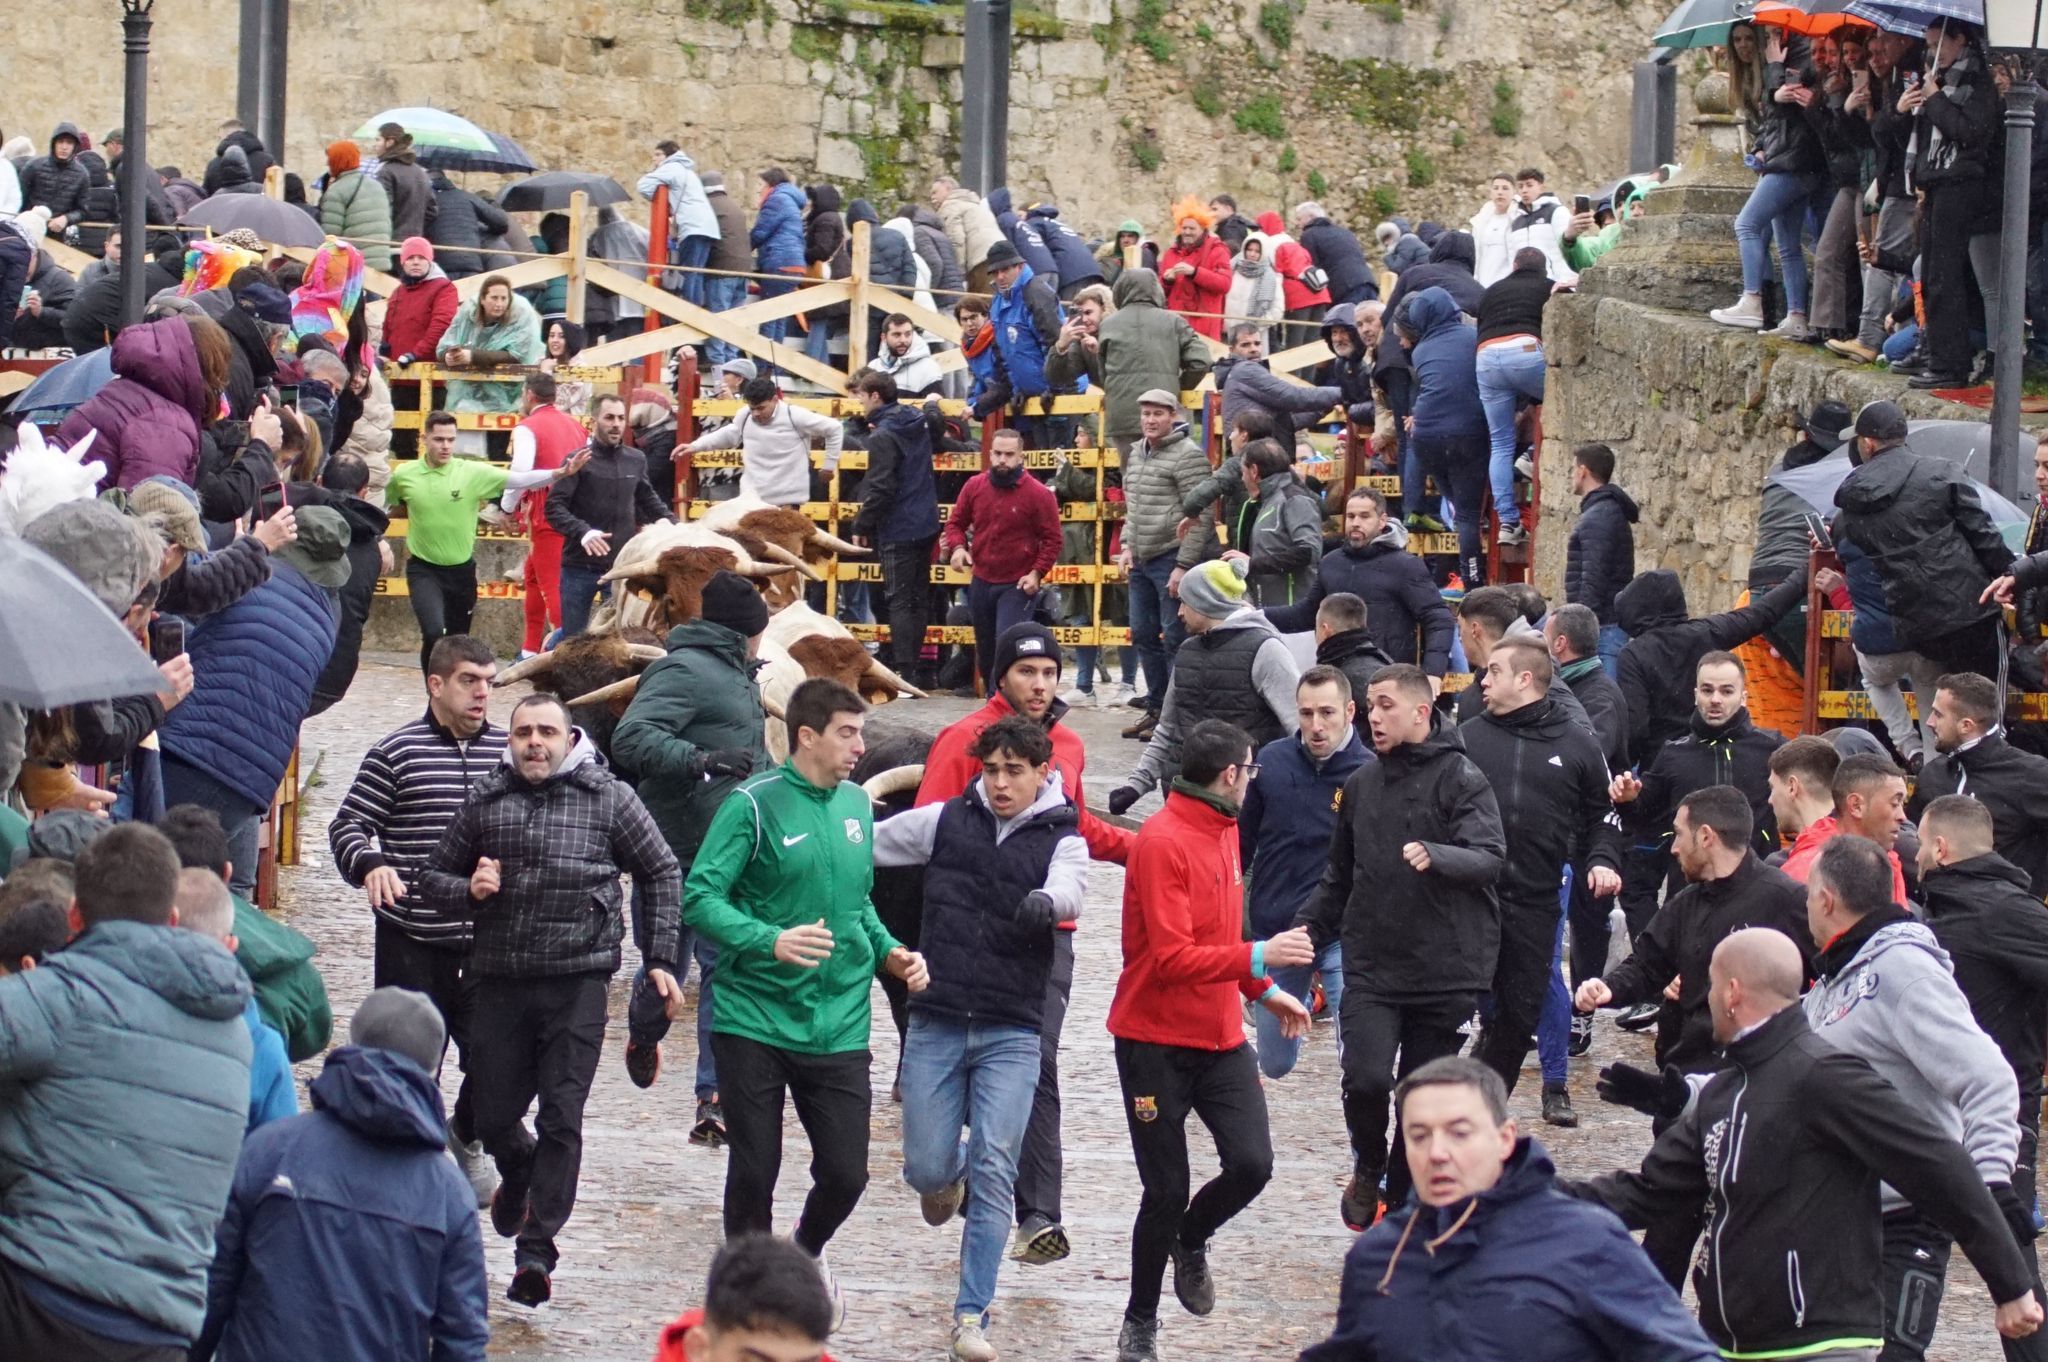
x=1701 y=23
x=451 y=143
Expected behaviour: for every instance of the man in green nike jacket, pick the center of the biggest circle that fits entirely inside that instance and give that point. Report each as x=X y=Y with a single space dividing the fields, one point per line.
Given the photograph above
x=781 y=884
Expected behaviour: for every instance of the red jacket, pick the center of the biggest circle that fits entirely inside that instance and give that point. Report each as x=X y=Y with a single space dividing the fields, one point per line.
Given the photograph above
x=670 y=1349
x=1290 y=258
x=1205 y=289
x=556 y=435
x=948 y=771
x=1186 y=963
x=1016 y=529
x=416 y=315
x=1806 y=849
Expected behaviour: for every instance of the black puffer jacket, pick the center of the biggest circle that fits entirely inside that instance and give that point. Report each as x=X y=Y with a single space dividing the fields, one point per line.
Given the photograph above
x=1337 y=252
x=891 y=262
x=1450 y=265
x=53 y=184
x=1404 y=610
x=1786 y=143
x=2012 y=784
x=1351 y=374
x=102 y=204
x=253 y=164
x=461 y=224
x=1996 y=934
x=1665 y=647
x=1923 y=528
x=1408 y=932
x=1600 y=556
x=1550 y=782
x=1959 y=125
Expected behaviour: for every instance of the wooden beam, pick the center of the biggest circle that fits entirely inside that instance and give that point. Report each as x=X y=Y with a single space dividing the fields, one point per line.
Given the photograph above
x=527 y=272
x=579 y=252
x=715 y=324
x=857 y=314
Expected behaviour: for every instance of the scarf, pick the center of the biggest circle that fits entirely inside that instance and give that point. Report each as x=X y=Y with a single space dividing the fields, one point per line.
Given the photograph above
x=1955 y=82
x=1205 y=796
x=1249 y=268
x=983 y=338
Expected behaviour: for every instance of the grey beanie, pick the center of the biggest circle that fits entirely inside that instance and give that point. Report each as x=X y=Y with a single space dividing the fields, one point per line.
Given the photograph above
x=1214 y=588
x=402 y=1021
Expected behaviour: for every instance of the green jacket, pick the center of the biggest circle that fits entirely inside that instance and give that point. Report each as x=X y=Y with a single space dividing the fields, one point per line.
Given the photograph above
x=356 y=207
x=1139 y=346
x=698 y=699
x=289 y=991
x=13 y=837
x=780 y=852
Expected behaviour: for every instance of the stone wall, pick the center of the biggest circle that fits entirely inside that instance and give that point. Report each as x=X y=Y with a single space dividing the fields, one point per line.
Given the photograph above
x=1118 y=106
x=1695 y=413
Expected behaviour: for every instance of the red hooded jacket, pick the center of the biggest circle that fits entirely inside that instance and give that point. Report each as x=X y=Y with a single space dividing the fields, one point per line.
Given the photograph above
x=948 y=771
x=1202 y=291
x=417 y=314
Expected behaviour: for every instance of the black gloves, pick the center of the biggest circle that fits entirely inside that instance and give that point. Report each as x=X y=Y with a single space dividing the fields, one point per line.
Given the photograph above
x=2018 y=1218
x=1121 y=799
x=725 y=761
x=1035 y=911
x=1660 y=1095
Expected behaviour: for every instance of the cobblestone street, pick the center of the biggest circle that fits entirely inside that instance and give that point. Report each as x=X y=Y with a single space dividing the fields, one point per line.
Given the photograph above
x=647 y=1220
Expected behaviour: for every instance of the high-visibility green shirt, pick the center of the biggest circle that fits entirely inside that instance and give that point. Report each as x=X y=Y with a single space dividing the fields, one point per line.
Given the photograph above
x=441 y=505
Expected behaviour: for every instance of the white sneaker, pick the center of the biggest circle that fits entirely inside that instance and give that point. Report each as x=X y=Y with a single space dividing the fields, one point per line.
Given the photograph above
x=1748 y=312
x=832 y=1290
x=970 y=1344
x=1078 y=698
x=480 y=1168
x=1793 y=328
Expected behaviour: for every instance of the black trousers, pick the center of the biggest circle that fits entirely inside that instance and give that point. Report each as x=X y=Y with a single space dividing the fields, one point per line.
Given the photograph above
x=537 y=1038
x=832 y=1099
x=1521 y=976
x=907 y=593
x=1587 y=921
x=17 y=261
x=1914 y=1271
x=1955 y=212
x=438 y=971
x=29 y=1333
x=1972 y=649
x=1377 y=1032
x=1161 y=1085
x=1643 y=871
x=443 y=600
x=1041 y=1163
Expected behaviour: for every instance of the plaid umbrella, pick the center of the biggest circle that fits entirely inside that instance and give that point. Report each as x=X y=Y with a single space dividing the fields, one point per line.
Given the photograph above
x=447 y=142
x=1912 y=16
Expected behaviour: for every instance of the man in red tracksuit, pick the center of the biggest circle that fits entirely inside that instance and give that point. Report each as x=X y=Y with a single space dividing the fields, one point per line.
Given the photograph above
x=1179 y=1026
x=1026 y=680
x=1013 y=521
x=544 y=438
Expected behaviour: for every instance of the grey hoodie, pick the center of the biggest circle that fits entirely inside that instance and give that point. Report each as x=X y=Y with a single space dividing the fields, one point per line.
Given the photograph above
x=1896 y=1006
x=1275 y=675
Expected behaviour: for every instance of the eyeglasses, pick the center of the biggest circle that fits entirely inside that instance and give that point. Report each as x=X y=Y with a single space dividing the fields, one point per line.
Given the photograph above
x=1250 y=769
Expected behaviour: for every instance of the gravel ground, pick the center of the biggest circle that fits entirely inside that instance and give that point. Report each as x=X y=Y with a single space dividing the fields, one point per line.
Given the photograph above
x=647 y=1221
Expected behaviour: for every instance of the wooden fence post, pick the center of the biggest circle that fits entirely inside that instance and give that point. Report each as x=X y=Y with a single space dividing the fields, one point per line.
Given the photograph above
x=579 y=252
x=857 y=310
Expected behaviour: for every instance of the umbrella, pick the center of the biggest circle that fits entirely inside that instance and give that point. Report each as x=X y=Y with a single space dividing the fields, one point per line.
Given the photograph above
x=66 y=386
x=1966 y=444
x=1910 y=17
x=41 y=602
x=552 y=189
x=447 y=142
x=1811 y=17
x=1701 y=23
x=272 y=220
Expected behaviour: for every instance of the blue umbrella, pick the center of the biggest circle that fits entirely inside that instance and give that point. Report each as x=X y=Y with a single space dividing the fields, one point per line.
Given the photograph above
x=68 y=385
x=1912 y=16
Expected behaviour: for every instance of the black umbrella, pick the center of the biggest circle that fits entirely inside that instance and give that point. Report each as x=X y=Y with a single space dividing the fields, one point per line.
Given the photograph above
x=272 y=220
x=58 y=644
x=551 y=189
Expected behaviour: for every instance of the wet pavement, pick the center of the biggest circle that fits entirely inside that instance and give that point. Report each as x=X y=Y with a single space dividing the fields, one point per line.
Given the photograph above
x=647 y=1218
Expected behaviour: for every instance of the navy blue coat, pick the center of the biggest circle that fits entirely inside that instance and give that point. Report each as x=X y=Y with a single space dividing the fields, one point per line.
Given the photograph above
x=1069 y=250
x=1404 y=610
x=1283 y=848
x=1600 y=556
x=1338 y=253
x=364 y=1179
x=1445 y=357
x=1022 y=234
x=1520 y=1273
x=254 y=665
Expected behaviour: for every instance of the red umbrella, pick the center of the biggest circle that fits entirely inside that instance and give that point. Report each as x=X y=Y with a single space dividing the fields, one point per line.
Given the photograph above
x=1811 y=17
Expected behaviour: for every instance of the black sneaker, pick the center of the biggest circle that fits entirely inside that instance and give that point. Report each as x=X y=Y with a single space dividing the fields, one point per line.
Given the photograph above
x=530 y=1286
x=710 y=1127
x=1360 y=1204
x=1138 y=1340
x=1557 y=1107
x=508 y=1210
x=1191 y=1280
x=643 y=1064
x=1582 y=1035
x=1641 y=1017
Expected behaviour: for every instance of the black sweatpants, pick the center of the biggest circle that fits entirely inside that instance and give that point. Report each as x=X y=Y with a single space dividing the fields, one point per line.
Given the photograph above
x=537 y=1038
x=1162 y=1084
x=1376 y=1030
x=1521 y=976
x=443 y=600
x=1591 y=933
x=32 y=1334
x=1041 y=1162
x=832 y=1099
x=907 y=594
x=1643 y=872
x=401 y=961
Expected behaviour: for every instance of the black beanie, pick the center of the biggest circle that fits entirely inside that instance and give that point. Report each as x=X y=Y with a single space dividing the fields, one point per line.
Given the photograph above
x=1023 y=640
x=730 y=600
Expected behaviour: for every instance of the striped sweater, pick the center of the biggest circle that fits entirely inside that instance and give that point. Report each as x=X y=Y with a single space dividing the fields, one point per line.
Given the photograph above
x=404 y=796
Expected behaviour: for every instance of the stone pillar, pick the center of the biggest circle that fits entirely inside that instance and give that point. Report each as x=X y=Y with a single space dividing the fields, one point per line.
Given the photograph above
x=1681 y=252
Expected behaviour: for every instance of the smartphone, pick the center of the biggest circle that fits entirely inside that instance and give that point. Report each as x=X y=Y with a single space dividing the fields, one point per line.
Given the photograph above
x=1818 y=530
x=288 y=395
x=1582 y=203
x=166 y=638
x=270 y=501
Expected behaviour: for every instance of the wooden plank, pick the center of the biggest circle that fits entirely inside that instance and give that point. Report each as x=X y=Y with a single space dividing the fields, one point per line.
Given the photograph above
x=579 y=255
x=857 y=315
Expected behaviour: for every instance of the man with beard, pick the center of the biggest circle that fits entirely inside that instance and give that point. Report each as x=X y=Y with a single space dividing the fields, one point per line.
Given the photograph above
x=1014 y=523
x=1401 y=598
x=1973 y=758
x=597 y=508
x=906 y=357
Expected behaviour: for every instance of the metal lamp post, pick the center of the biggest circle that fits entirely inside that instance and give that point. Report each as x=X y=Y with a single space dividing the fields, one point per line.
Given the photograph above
x=135 y=22
x=985 y=80
x=2016 y=27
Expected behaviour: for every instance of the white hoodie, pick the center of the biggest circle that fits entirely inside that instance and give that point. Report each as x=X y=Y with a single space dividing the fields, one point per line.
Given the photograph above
x=1542 y=226
x=775 y=455
x=1493 y=257
x=916 y=372
x=922 y=295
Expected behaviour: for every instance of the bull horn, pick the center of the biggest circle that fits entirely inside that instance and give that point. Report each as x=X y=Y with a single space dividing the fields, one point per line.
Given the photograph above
x=604 y=695
x=622 y=571
x=795 y=560
x=773 y=710
x=646 y=652
x=760 y=570
x=894 y=781
x=519 y=671
x=834 y=542
x=875 y=668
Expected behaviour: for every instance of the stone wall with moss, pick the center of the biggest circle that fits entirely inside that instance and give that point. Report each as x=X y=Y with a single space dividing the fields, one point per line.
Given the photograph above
x=1117 y=106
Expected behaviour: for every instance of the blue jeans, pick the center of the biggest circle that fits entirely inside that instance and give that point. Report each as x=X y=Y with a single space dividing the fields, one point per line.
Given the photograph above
x=1156 y=630
x=981 y=1076
x=1776 y=206
x=693 y=253
x=186 y=784
x=1507 y=370
x=1277 y=1054
x=775 y=288
x=1554 y=1022
x=580 y=585
x=722 y=295
x=1613 y=638
x=1900 y=343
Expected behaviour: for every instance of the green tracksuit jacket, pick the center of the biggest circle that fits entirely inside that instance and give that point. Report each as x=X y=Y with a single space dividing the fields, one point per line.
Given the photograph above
x=781 y=852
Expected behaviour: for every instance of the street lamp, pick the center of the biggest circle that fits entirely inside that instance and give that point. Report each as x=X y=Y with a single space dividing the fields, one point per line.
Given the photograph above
x=2014 y=26
x=135 y=23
